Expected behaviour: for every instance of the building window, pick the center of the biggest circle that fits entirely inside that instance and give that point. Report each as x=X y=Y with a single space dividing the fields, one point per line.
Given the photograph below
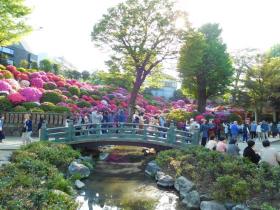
x=7 y=50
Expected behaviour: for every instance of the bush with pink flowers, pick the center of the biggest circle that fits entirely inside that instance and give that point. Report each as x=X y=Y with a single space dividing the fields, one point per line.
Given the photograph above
x=5 y=86
x=37 y=82
x=16 y=98
x=31 y=94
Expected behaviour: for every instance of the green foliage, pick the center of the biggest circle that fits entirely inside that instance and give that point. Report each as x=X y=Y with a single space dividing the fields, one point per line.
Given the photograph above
x=96 y=97
x=204 y=64
x=2 y=67
x=179 y=115
x=34 y=65
x=47 y=106
x=61 y=109
x=46 y=65
x=19 y=109
x=83 y=104
x=36 y=110
x=56 y=68
x=5 y=104
x=33 y=181
x=21 y=69
x=52 y=96
x=7 y=74
x=23 y=64
x=274 y=51
x=85 y=75
x=12 y=21
x=138 y=204
x=74 y=90
x=266 y=206
x=227 y=178
x=49 y=86
x=30 y=105
x=234 y=117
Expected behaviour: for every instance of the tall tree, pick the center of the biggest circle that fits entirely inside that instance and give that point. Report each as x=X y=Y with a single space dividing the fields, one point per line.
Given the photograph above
x=46 y=65
x=34 y=65
x=274 y=51
x=144 y=33
x=12 y=21
x=85 y=75
x=243 y=60
x=204 y=64
x=24 y=64
x=56 y=68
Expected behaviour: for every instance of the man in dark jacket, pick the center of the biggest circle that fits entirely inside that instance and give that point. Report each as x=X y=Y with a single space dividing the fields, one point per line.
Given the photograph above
x=250 y=153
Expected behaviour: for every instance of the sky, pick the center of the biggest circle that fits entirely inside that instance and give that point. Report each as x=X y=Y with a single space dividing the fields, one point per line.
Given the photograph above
x=63 y=27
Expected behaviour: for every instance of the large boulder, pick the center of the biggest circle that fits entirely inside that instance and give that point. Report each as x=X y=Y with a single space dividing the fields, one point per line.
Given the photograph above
x=205 y=197
x=79 y=184
x=152 y=168
x=183 y=183
x=166 y=181
x=211 y=205
x=192 y=200
x=78 y=168
x=240 y=207
x=159 y=175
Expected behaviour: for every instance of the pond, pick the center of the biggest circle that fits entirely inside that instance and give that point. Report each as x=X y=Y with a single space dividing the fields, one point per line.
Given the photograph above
x=123 y=184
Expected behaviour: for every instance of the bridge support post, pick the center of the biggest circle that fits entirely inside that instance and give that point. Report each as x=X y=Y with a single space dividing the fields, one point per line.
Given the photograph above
x=171 y=133
x=43 y=132
x=70 y=131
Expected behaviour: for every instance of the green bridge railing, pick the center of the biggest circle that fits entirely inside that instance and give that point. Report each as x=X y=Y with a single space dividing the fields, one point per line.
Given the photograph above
x=73 y=134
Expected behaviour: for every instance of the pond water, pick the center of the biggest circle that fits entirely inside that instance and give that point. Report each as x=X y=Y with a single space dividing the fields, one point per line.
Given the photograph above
x=112 y=184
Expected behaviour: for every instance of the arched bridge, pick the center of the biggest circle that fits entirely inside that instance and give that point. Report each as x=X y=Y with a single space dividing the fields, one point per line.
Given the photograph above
x=93 y=135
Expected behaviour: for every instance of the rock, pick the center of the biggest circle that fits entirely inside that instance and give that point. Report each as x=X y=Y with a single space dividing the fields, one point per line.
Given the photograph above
x=86 y=158
x=211 y=205
x=159 y=175
x=229 y=205
x=166 y=181
x=240 y=207
x=192 y=200
x=79 y=184
x=152 y=168
x=78 y=168
x=183 y=183
x=205 y=197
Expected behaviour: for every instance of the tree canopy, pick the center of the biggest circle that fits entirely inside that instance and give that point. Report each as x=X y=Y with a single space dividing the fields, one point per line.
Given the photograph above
x=204 y=64
x=12 y=21
x=142 y=32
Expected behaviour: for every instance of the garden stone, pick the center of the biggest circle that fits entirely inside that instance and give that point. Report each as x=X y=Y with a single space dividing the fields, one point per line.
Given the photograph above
x=240 y=207
x=78 y=168
x=79 y=184
x=211 y=205
x=205 y=197
x=159 y=175
x=229 y=205
x=152 y=168
x=192 y=200
x=183 y=183
x=166 y=181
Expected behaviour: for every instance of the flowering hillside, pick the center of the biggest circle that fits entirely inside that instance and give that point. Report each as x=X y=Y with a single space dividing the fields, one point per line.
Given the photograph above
x=37 y=91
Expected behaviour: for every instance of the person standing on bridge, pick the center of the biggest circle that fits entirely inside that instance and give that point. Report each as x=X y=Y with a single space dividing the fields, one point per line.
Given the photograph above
x=2 y=135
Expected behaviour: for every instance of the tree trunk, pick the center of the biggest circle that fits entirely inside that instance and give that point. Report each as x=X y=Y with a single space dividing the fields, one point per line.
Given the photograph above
x=201 y=101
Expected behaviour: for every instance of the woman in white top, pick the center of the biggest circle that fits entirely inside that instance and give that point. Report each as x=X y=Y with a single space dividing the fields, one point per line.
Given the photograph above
x=259 y=131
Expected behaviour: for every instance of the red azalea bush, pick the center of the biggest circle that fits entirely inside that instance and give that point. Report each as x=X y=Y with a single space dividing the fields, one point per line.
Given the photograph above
x=16 y=98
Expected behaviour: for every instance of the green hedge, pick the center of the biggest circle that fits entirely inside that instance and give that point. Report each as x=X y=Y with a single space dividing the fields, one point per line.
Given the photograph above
x=74 y=90
x=225 y=177
x=52 y=96
x=5 y=104
x=35 y=174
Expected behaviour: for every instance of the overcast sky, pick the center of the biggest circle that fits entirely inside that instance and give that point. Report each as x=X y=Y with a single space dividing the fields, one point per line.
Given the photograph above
x=67 y=25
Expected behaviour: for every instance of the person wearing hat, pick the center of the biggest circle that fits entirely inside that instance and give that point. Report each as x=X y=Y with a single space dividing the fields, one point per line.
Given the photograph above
x=250 y=153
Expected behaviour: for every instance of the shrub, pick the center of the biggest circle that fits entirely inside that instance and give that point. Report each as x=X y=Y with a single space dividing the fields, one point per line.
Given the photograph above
x=5 y=86
x=61 y=109
x=96 y=97
x=50 y=86
x=20 y=109
x=74 y=90
x=5 y=104
x=16 y=98
x=179 y=115
x=234 y=117
x=7 y=74
x=36 y=110
x=31 y=94
x=37 y=82
x=47 y=106
x=30 y=105
x=83 y=104
x=23 y=70
x=52 y=96
x=2 y=67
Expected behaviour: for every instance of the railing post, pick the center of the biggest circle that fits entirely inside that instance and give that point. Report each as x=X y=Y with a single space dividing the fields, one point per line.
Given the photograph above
x=171 y=135
x=70 y=129
x=145 y=133
x=44 y=132
x=195 y=137
x=99 y=130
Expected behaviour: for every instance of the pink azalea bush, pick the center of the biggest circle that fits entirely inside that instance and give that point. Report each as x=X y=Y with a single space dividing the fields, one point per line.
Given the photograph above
x=31 y=94
x=5 y=86
x=37 y=82
x=16 y=98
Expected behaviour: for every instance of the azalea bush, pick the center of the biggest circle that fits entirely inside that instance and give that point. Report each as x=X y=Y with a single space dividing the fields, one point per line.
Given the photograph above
x=179 y=115
x=74 y=90
x=31 y=94
x=50 y=86
x=47 y=106
x=5 y=104
x=30 y=105
x=37 y=82
x=6 y=74
x=52 y=96
x=16 y=98
x=19 y=109
x=83 y=104
x=5 y=86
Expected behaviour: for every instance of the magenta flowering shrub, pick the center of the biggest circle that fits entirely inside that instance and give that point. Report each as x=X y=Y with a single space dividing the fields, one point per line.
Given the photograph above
x=5 y=86
x=31 y=94
x=37 y=82
x=16 y=98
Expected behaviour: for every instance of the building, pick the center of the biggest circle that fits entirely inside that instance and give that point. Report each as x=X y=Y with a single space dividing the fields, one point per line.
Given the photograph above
x=14 y=54
x=167 y=90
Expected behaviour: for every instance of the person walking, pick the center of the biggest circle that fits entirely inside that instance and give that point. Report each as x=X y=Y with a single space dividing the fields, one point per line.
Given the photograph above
x=250 y=153
x=234 y=130
x=40 y=124
x=259 y=131
x=265 y=129
x=246 y=132
x=226 y=129
x=274 y=129
x=204 y=129
x=253 y=130
x=27 y=130
x=2 y=135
